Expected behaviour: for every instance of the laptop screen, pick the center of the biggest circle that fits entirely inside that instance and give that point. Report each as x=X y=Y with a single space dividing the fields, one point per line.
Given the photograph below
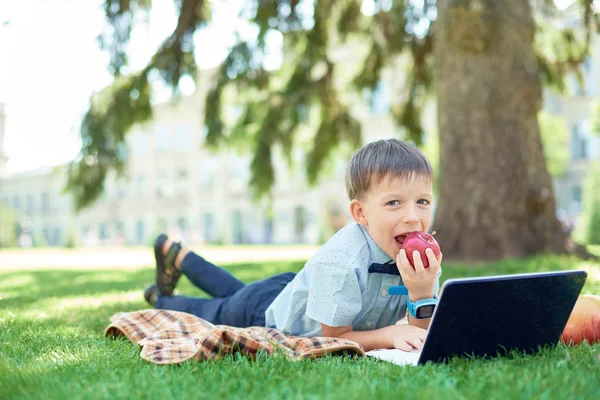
x=490 y=316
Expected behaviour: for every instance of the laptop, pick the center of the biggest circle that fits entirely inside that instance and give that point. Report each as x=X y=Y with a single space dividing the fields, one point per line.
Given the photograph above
x=490 y=316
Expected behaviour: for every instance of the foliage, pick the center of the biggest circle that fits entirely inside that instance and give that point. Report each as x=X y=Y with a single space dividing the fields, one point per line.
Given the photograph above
x=594 y=224
x=596 y=117
x=587 y=229
x=112 y=113
x=591 y=205
x=275 y=103
x=8 y=227
x=555 y=140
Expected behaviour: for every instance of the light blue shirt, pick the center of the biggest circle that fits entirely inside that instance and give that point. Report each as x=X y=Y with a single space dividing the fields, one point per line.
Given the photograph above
x=335 y=288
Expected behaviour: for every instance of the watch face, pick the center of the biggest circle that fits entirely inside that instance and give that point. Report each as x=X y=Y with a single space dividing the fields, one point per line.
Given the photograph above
x=425 y=311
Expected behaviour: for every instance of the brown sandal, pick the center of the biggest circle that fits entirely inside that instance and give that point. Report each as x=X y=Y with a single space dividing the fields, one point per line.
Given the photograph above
x=166 y=273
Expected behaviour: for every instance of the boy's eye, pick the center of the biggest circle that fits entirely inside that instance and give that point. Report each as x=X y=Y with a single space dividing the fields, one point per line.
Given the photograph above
x=393 y=203
x=423 y=202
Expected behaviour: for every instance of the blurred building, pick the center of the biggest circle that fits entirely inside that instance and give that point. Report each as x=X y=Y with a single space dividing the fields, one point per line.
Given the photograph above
x=3 y=158
x=580 y=110
x=175 y=184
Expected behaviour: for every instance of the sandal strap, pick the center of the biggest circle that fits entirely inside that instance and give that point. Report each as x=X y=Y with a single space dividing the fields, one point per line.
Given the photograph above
x=171 y=256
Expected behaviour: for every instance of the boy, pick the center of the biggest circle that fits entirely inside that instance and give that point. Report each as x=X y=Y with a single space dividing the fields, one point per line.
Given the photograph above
x=342 y=289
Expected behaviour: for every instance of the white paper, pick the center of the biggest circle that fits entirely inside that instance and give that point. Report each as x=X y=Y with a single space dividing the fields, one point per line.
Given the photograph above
x=396 y=356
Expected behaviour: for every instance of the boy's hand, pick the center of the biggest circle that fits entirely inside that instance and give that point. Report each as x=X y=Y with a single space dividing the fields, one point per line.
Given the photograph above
x=419 y=281
x=408 y=337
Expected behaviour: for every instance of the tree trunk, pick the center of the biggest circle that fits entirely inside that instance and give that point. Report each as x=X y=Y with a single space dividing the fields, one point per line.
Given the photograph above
x=496 y=195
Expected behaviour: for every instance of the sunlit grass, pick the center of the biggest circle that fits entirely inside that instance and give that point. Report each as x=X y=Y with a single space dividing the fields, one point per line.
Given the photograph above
x=52 y=346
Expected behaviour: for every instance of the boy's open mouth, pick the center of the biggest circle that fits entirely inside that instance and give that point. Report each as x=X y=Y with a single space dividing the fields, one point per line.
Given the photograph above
x=400 y=239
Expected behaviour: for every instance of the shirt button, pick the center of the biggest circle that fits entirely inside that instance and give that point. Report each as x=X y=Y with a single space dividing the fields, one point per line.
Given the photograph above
x=384 y=292
x=369 y=325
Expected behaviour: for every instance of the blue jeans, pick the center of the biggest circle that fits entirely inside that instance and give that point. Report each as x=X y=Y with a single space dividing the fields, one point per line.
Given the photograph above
x=234 y=303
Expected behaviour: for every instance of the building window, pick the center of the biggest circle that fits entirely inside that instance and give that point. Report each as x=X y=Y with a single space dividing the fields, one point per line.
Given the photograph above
x=268 y=226
x=207 y=227
x=237 y=224
x=162 y=139
x=102 y=235
x=139 y=231
x=120 y=230
x=141 y=187
x=208 y=168
x=56 y=236
x=45 y=203
x=576 y=193
x=29 y=206
x=578 y=142
x=48 y=235
x=240 y=170
x=299 y=224
x=121 y=189
x=588 y=77
x=161 y=184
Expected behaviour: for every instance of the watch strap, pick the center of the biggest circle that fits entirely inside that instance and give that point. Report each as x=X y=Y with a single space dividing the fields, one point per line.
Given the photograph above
x=412 y=306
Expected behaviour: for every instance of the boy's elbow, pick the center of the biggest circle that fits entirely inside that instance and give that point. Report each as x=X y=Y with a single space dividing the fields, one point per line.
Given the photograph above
x=335 y=331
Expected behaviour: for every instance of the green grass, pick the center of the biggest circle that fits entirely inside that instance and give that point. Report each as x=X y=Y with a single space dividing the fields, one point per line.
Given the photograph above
x=52 y=347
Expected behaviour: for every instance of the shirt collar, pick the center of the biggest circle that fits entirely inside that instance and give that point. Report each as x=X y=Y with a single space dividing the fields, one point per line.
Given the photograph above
x=377 y=255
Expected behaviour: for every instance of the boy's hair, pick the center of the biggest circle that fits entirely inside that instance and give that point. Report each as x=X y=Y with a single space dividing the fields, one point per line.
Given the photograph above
x=389 y=158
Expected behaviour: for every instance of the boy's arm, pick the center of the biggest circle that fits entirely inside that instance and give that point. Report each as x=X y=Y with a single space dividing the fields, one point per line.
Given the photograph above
x=404 y=337
x=421 y=323
x=421 y=283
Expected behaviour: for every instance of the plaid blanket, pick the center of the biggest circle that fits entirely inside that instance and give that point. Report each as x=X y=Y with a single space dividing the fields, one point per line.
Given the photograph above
x=172 y=337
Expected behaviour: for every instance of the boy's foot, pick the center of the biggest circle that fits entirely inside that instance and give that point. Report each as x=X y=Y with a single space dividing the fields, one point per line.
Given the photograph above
x=167 y=274
x=151 y=294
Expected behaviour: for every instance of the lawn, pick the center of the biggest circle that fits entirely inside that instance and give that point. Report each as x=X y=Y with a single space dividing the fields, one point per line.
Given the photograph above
x=52 y=347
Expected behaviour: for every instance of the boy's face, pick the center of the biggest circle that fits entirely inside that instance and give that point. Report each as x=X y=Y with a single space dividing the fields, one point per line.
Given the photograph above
x=394 y=207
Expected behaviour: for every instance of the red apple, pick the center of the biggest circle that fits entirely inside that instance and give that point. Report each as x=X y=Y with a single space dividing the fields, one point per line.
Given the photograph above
x=584 y=322
x=420 y=241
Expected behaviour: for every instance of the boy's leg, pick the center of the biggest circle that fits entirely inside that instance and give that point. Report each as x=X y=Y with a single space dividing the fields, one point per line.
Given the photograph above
x=208 y=309
x=244 y=308
x=214 y=280
x=247 y=306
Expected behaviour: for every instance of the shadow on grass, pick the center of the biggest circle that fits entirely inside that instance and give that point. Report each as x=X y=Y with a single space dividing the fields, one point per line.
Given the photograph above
x=23 y=289
x=540 y=263
x=77 y=304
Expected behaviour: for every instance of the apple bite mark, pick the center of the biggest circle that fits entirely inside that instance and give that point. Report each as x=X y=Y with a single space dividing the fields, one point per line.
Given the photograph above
x=399 y=240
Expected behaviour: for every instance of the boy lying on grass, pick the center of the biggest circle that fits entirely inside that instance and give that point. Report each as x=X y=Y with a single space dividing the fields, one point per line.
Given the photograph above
x=342 y=289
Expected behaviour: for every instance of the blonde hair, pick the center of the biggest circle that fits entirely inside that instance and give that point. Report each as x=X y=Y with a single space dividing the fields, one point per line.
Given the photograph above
x=389 y=158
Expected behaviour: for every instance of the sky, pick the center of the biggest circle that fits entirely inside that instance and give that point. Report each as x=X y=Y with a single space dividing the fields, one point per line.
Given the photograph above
x=50 y=65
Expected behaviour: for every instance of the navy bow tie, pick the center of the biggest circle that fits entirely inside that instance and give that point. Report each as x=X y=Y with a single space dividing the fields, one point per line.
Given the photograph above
x=387 y=268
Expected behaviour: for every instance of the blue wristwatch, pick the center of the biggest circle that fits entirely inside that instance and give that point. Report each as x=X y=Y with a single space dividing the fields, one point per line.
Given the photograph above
x=419 y=309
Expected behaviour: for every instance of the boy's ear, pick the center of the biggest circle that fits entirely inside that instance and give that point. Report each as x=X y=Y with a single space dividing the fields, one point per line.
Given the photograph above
x=357 y=211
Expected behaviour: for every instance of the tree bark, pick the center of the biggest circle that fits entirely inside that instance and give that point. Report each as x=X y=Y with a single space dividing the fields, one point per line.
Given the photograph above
x=496 y=198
